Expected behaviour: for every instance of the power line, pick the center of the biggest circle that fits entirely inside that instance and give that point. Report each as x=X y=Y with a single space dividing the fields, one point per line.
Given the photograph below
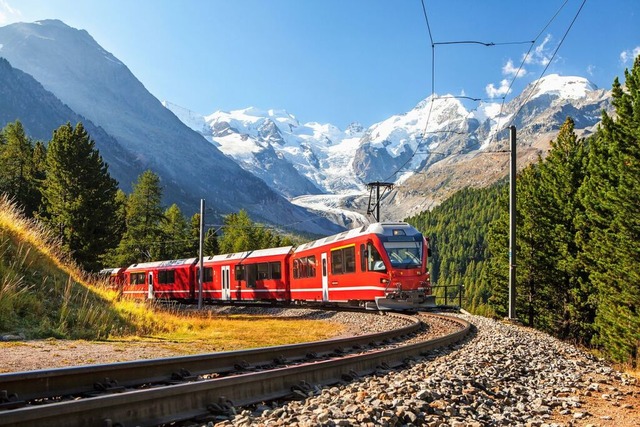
x=432 y=98
x=550 y=61
x=488 y=44
x=524 y=60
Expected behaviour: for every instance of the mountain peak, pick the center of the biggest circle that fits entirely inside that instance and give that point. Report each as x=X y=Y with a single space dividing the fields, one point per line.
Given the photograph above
x=52 y=23
x=354 y=128
x=566 y=87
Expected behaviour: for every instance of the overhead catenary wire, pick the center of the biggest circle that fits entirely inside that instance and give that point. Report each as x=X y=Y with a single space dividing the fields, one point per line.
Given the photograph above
x=432 y=98
x=550 y=61
x=524 y=59
x=484 y=43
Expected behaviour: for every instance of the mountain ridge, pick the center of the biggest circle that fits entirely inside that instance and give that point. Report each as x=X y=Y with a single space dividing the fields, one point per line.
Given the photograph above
x=71 y=65
x=261 y=160
x=436 y=137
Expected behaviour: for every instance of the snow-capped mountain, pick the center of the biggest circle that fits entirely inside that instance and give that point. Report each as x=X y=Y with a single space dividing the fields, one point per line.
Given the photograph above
x=430 y=151
x=394 y=149
x=293 y=158
x=74 y=69
x=479 y=158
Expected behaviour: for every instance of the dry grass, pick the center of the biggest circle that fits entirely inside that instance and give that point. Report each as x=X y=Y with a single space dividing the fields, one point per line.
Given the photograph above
x=225 y=333
x=43 y=294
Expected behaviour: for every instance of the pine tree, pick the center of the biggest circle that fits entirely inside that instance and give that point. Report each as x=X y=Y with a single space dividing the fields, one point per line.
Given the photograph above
x=562 y=173
x=79 y=196
x=210 y=238
x=18 y=172
x=609 y=230
x=239 y=233
x=111 y=257
x=211 y=246
x=142 y=240
x=39 y=165
x=176 y=235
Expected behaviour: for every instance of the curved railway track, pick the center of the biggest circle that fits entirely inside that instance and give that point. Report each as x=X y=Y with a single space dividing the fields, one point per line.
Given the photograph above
x=154 y=392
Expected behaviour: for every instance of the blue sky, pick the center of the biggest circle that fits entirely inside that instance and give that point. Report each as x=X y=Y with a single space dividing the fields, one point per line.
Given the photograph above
x=340 y=61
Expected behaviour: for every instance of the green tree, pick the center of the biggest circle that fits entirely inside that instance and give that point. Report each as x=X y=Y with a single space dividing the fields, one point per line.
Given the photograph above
x=18 y=172
x=142 y=240
x=79 y=196
x=210 y=239
x=538 y=289
x=457 y=230
x=240 y=234
x=609 y=230
x=40 y=164
x=111 y=257
x=176 y=243
x=562 y=173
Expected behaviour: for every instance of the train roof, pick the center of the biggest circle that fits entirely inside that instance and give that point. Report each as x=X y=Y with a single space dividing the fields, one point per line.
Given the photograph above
x=380 y=228
x=106 y=271
x=166 y=263
x=284 y=250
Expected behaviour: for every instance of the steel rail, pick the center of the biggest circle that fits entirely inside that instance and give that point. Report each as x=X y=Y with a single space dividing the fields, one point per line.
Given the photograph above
x=50 y=383
x=190 y=400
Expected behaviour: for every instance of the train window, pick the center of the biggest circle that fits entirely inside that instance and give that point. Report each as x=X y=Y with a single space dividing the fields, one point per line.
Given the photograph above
x=350 y=259
x=296 y=268
x=252 y=275
x=343 y=260
x=304 y=267
x=166 y=276
x=239 y=272
x=404 y=254
x=208 y=274
x=263 y=271
x=336 y=261
x=312 y=266
x=137 y=279
x=374 y=260
x=276 y=270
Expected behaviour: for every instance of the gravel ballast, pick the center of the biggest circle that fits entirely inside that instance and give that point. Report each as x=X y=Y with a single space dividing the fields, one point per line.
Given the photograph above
x=503 y=375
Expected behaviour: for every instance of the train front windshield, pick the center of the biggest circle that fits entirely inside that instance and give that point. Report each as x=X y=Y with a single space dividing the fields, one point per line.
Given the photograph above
x=404 y=254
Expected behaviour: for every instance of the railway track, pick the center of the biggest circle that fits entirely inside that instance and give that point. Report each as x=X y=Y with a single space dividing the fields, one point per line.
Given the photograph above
x=154 y=392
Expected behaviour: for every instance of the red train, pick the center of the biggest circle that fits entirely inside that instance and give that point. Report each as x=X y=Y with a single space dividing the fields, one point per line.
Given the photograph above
x=382 y=265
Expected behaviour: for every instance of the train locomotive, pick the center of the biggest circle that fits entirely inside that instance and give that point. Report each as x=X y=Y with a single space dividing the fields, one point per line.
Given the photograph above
x=378 y=266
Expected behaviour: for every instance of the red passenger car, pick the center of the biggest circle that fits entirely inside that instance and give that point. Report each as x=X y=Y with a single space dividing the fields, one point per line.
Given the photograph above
x=380 y=266
x=383 y=264
x=171 y=280
x=259 y=275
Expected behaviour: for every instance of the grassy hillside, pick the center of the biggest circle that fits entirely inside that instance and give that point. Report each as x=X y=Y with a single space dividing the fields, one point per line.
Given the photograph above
x=43 y=294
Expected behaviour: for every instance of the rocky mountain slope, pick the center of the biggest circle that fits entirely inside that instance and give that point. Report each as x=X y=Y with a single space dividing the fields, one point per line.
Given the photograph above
x=93 y=83
x=429 y=152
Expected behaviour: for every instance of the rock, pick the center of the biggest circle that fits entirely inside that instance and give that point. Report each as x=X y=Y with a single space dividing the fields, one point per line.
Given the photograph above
x=503 y=375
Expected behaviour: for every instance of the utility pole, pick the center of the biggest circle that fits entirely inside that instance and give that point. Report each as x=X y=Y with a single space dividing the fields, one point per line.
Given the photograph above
x=512 y=225
x=200 y=255
x=376 y=205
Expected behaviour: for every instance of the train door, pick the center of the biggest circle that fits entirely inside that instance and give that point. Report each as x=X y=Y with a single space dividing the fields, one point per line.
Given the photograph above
x=225 y=280
x=325 y=278
x=150 y=289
